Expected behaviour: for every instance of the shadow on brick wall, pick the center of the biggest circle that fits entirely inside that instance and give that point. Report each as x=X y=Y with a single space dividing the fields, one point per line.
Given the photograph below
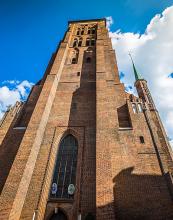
x=83 y=114
x=141 y=196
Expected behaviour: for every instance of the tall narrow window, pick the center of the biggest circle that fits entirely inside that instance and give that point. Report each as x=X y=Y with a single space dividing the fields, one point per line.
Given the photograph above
x=78 y=31
x=93 y=31
x=74 y=56
x=139 y=107
x=92 y=42
x=65 y=168
x=141 y=139
x=89 y=30
x=87 y=42
x=80 y=42
x=134 y=107
x=75 y=42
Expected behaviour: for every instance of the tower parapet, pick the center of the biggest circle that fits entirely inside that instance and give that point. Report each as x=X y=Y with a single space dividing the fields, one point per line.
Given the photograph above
x=142 y=88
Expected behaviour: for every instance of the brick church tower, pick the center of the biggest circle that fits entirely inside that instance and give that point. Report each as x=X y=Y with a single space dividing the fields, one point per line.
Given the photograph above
x=81 y=147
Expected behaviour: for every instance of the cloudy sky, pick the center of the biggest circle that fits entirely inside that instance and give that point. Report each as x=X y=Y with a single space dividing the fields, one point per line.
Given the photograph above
x=152 y=53
x=31 y=30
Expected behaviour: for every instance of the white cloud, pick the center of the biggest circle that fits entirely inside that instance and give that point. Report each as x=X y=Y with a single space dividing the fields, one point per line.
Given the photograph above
x=11 y=82
x=23 y=87
x=12 y=91
x=171 y=142
x=152 y=52
x=109 y=22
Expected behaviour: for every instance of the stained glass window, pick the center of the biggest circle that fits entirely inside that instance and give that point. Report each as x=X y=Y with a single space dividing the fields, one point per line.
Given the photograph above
x=65 y=168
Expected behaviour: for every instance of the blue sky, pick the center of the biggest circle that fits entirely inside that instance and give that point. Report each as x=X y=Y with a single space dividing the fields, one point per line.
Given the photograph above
x=31 y=30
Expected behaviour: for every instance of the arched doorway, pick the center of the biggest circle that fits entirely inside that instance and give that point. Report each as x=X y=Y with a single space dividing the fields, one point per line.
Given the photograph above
x=59 y=216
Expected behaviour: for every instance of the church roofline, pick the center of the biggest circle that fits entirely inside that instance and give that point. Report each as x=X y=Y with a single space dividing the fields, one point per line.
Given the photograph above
x=87 y=20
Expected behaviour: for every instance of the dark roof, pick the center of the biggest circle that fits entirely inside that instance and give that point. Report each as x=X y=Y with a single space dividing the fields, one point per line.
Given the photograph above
x=88 y=20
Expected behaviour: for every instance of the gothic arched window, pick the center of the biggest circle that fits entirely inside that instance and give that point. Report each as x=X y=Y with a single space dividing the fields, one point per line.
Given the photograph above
x=80 y=42
x=140 y=108
x=134 y=107
x=74 y=56
x=87 y=42
x=65 y=168
x=75 y=42
x=93 y=30
x=78 y=31
x=89 y=30
x=92 y=42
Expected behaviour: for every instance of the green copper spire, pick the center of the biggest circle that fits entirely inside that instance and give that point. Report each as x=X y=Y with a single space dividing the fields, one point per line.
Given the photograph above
x=137 y=75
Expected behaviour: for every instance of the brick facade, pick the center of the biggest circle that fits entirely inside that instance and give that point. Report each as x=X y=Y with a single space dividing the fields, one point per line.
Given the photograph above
x=124 y=161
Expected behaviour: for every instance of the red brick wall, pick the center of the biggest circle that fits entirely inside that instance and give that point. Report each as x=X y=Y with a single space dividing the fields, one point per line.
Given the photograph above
x=118 y=177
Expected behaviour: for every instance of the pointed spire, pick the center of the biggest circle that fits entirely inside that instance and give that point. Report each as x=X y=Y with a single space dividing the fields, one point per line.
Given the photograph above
x=138 y=76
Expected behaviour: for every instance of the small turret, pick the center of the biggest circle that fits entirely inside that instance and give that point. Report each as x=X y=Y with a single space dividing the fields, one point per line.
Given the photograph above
x=142 y=87
x=138 y=76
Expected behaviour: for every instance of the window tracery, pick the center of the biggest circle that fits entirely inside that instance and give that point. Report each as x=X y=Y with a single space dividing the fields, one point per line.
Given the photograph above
x=65 y=168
